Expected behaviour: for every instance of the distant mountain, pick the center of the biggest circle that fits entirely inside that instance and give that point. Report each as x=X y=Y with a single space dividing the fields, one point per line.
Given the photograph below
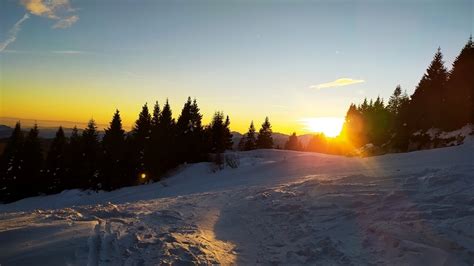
x=44 y=132
x=5 y=131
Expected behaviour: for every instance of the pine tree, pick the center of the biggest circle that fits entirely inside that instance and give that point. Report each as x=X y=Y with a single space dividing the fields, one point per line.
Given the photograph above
x=318 y=143
x=56 y=162
x=141 y=139
x=228 y=143
x=113 y=164
x=10 y=166
x=459 y=104
x=31 y=166
x=293 y=143
x=74 y=162
x=166 y=138
x=427 y=106
x=217 y=133
x=250 y=138
x=264 y=139
x=394 y=101
x=90 y=155
x=152 y=156
x=352 y=128
x=189 y=133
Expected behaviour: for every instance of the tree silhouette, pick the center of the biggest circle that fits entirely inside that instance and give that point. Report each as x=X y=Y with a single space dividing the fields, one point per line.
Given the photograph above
x=90 y=155
x=113 y=164
x=10 y=167
x=250 y=138
x=74 y=160
x=293 y=143
x=460 y=100
x=427 y=105
x=189 y=133
x=56 y=162
x=141 y=139
x=264 y=139
x=165 y=140
x=31 y=167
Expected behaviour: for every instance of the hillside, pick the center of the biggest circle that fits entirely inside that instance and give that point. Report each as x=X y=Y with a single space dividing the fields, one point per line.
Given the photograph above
x=277 y=207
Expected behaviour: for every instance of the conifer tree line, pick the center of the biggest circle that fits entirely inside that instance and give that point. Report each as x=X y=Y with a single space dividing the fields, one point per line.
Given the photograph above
x=443 y=99
x=156 y=144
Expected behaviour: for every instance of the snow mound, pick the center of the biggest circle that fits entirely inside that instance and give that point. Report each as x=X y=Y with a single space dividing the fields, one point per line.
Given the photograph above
x=277 y=207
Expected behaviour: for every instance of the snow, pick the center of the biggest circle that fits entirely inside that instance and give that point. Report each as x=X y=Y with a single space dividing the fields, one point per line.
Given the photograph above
x=277 y=207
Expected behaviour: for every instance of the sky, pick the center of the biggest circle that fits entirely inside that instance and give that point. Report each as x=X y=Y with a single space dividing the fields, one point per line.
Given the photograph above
x=293 y=61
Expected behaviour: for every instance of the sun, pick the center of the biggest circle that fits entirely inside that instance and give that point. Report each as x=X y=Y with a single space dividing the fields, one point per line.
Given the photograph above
x=330 y=126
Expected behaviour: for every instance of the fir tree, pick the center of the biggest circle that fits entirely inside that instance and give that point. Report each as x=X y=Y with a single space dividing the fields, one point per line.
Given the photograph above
x=459 y=104
x=152 y=156
x=189 y=133
x=56 y=162
x=293 y=143
x=166 y=137
x=428 y=105
x=10 y=167
x=113 y=164
x=228 y=143
x=31 y=166
x=141 y=138
x=90 y=155
x=74 y=162
x=264 y=139
x=217 y=133
x=250 y=138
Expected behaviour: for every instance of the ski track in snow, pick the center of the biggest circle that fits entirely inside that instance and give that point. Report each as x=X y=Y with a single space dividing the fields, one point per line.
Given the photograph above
x=278 y=207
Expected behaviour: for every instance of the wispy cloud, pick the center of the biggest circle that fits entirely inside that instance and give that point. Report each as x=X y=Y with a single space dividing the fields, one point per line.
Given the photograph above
x=11 y=37
x=67 y=52
x=60 y=10
x=337 y=83
x=66 y=22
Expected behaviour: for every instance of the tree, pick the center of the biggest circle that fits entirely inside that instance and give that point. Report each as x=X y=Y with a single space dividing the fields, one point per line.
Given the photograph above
x=264 y=139
x=189 y=133
x=318 y=143
x=74 y=162
x=90 y=155
x=460 y=100
x=152 y=156
x=113 y=164
x=217 y=133
x=250 y=138
x=10 y=166
x=141 y=139
x=394 y=101
x=31 y=167
x=165 y=139
x=352 y=129
x=228 y=143
x=293 y=143
x=56 y=162
x=427 y=105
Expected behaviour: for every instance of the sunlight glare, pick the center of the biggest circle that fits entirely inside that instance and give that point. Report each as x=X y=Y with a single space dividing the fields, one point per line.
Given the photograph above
x=330 y=126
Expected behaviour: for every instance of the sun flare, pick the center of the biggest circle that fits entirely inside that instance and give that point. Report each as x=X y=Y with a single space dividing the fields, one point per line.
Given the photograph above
x=330 y=126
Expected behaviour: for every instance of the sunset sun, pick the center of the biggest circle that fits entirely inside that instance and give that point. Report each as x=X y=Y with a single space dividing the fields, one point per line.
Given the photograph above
x=330 y=126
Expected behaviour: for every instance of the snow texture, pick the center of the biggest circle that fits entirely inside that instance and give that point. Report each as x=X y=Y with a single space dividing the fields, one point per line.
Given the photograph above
x=277 y=207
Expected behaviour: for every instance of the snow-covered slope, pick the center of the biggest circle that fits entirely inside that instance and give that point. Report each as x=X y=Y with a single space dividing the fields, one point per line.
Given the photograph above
x=277 y=207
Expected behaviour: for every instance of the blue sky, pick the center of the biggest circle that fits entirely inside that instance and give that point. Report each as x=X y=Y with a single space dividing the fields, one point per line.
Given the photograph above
x=249 y=59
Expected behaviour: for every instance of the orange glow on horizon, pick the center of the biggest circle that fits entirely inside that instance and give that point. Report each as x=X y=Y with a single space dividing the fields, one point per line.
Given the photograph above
x=330 y=126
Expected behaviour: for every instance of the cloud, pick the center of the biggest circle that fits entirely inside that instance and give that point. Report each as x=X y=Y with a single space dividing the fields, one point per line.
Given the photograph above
x=337 y=83
x=66 y=22
x=13 y=32
x=67 y=52
x=59 y=10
